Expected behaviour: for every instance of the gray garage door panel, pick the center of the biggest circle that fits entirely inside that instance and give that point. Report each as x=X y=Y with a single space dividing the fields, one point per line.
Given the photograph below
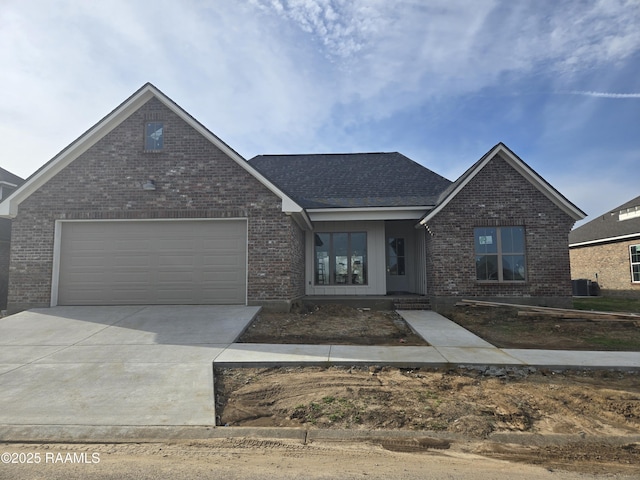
x=153 y=262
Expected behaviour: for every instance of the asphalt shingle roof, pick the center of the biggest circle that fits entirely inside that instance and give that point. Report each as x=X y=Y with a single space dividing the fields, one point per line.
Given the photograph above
x=7 y=176
x=352 y=179
x=608 y=225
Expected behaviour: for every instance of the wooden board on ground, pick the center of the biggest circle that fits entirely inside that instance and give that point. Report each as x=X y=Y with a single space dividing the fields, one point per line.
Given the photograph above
x=531 y=310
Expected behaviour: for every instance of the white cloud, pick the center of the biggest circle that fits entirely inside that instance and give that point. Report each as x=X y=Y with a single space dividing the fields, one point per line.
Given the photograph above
x=606 y=94
x=387 y=56
x=269 y=75
x=342 y=27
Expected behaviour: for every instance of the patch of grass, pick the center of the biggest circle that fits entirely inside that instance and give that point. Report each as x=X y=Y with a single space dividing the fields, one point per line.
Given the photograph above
x=608 y=304
x=438 y=425
x=334 y=417
x=614 y=343
x=427 y=395
x=331 y=409
x=431 y=400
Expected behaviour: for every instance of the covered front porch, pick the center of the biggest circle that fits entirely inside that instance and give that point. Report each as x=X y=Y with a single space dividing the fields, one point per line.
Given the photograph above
x=366 y=258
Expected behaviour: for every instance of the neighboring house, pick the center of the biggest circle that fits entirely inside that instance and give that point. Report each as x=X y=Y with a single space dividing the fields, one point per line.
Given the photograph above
x=150 y=207
x=606 y=250
x=8 y=183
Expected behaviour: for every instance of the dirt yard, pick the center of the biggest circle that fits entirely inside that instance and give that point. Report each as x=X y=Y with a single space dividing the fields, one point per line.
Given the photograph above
x=501 y=326
x=333 y=325
x=470 y=403
x=593 y=406
x=504 y=328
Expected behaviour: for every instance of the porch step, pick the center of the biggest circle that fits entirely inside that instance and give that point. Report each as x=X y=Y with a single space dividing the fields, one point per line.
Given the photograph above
x=418 y=303
x=412 y=306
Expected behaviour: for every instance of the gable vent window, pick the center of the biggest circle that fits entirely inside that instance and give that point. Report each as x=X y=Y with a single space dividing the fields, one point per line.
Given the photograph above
x=629 y=213
x=500 y=254
x=154 y=137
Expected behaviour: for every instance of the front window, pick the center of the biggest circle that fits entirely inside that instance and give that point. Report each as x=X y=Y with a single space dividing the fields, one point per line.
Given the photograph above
x=341 y=258
x=500 y=254
x=634 y=251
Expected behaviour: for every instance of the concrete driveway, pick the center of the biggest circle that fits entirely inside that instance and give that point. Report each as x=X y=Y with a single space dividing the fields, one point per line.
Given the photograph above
x=126 y=365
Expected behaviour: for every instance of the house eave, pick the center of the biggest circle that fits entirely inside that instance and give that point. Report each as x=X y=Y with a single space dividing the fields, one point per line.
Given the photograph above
x=302 y=220
x=605 y=240
x=368 y=213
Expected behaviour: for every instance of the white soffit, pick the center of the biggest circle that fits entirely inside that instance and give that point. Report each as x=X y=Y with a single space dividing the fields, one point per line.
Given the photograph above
x=354 y=214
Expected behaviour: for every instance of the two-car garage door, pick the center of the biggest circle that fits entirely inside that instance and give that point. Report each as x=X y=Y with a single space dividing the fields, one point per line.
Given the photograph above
x=152 y=262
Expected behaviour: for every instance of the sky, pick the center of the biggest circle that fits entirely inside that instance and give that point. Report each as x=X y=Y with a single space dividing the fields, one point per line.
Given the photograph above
x=441 y=81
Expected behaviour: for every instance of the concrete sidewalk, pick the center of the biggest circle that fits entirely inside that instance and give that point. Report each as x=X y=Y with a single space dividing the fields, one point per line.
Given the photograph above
x=450 y=344
x=459 y=346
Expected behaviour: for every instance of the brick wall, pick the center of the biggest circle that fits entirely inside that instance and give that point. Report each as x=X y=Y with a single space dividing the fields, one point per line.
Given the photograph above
x=5 y=248
x=499 y=196
x=611 y=263
x=194 y=180
x=297 y=278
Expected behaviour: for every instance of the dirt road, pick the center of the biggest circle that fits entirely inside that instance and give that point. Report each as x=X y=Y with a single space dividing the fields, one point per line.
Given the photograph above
x=263 y=459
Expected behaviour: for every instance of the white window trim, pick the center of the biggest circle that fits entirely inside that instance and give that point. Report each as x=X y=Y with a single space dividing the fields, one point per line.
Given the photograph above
x=632 y=263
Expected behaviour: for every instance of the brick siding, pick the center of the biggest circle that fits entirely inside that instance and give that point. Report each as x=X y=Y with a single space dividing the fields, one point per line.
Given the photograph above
x=194 y=179
x=5 y=248
x=499 y=196
x=611 y=263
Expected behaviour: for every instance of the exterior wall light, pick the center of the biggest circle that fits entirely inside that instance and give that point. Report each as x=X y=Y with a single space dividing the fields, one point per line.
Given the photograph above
x=149 y=185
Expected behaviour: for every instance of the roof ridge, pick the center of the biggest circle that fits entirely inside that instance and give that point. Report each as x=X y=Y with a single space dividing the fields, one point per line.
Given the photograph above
x=322 y=154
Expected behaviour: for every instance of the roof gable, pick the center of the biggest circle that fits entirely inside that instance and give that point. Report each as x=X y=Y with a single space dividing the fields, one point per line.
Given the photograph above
x=517 y=164
x=609 y=226
x=9 y=207
x=352 y=180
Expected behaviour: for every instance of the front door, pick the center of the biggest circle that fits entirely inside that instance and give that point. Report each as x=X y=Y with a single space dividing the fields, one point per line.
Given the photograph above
x=397 y=274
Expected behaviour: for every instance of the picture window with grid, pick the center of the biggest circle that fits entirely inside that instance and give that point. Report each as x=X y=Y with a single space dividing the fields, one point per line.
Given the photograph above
x=500 y=254
x=341 y=258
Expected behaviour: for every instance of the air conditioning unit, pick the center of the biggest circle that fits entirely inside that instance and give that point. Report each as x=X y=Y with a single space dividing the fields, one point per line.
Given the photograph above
x=581 y=287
